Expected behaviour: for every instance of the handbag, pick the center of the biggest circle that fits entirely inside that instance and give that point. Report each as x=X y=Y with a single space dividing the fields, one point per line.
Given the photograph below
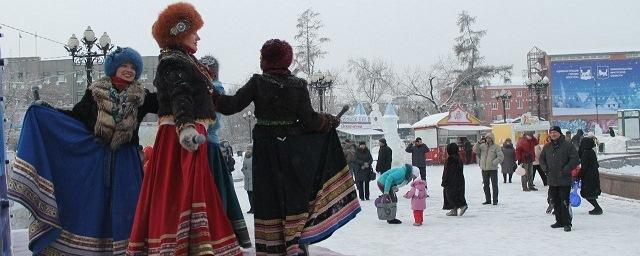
x=521 y=171
x=372 y=175
x=386 y=208
x=575 y=172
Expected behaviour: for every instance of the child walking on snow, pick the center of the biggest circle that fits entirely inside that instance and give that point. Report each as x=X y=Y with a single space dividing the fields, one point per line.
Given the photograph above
x=418 y=195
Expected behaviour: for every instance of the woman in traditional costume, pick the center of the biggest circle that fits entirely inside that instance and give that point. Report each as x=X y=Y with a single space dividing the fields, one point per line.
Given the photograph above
x=79 y=171
x=302 y=187
x=180 y=211
x=219 y=168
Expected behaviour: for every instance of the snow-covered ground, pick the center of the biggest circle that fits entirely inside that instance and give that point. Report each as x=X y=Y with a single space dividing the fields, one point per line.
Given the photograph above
x=518 y=225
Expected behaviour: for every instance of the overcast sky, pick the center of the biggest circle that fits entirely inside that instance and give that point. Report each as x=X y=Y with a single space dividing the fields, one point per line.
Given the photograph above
x=402 y=32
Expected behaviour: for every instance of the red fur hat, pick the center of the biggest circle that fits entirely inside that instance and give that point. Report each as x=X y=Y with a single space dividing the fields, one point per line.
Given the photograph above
x=175 y=23
x=276 y=55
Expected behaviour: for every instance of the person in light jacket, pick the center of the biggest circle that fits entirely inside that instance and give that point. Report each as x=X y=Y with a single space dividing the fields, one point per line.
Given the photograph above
x=248 y=179
x=489 y=157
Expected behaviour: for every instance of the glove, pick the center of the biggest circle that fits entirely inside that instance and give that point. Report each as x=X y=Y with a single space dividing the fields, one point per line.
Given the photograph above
x=334 y=121
x=395 y=189
x=190 y=139
x=42 y=103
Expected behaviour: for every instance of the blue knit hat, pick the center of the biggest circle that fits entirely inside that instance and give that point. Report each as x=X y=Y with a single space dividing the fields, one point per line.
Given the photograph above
x=119 y=57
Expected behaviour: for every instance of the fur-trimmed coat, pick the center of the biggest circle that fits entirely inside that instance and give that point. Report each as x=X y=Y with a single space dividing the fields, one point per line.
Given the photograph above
x=114 y=123
x=184 y=88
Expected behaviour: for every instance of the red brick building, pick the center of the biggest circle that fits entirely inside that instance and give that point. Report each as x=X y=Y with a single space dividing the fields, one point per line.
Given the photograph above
x=521 y=102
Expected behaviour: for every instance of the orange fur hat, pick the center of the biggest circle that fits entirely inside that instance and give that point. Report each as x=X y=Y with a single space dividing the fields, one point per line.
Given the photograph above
x=175 y=23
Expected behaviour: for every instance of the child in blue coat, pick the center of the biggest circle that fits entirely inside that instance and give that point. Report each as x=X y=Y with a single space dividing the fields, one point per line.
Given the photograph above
x=396 y=177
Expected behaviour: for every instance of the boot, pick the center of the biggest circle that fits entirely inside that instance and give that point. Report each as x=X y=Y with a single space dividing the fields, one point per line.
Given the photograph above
x=533 y=189
x=453 y=212
x=567 y=228
x=557 y=225
x=394 y=221
x=596 y=211
x=463 y=209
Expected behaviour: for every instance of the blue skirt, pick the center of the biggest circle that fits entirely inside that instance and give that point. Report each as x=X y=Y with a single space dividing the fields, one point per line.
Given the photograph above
x=82 y=194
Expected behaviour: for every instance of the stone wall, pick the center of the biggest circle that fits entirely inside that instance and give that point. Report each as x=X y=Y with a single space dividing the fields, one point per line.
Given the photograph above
x=620 y=185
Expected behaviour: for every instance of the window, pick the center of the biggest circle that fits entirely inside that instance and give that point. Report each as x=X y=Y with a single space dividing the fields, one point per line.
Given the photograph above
x=498 y=117
x=519 y=93
x=494 y=105
x=520 y=104
x=507 y=105
x=61 y=77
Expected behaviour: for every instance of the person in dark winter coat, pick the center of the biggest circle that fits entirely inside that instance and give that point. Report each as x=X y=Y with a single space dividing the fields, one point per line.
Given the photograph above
x=418 y=152
x=362 y=173
x=612 y=133
x=526 y=155
x=298 y=158
x=557 y=159
x=576 y=139
x=349 y=151
x=589 y=174
x=508 y=164
x=384 y=157
x=468 y=151
x=453 y=183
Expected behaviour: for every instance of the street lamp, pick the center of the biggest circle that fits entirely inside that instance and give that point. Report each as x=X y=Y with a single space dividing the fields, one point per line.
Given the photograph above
x=537 y=85
x=504 y=96
x=88 y=57
x=321 y=83
x=249 y=117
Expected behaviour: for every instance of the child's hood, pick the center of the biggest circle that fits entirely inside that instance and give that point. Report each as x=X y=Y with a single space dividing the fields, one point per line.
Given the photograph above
x=418 y=184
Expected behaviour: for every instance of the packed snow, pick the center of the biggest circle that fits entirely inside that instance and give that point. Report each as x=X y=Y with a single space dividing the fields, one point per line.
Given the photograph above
x=518 y=225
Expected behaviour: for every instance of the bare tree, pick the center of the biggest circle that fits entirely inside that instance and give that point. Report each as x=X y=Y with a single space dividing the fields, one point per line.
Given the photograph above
x=309 y=47
x=374 y=80
x=473 y=72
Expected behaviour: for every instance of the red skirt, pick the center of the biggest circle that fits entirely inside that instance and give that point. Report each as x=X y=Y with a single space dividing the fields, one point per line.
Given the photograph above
x=179 y=211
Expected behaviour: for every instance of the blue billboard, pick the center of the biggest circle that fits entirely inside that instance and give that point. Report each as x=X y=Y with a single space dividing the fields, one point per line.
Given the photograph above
x=590 y=87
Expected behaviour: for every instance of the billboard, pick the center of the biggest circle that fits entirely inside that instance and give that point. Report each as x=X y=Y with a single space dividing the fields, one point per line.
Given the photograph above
x=590 y=87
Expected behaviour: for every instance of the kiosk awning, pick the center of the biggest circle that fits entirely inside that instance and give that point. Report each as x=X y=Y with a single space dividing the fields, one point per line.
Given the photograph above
x=465 y=128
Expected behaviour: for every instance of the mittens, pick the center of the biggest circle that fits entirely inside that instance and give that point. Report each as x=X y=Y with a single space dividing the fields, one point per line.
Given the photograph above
x=190 y=139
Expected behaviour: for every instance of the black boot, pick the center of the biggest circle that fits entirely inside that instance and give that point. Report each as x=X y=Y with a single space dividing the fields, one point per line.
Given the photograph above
x=557 y=225
x=394 y=221
x=597 y=210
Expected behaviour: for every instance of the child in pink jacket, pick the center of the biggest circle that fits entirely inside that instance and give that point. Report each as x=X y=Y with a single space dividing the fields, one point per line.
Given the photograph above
x=418 y=195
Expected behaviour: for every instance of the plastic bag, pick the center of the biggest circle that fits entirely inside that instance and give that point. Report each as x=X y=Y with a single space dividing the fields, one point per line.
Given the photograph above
x=521 y=171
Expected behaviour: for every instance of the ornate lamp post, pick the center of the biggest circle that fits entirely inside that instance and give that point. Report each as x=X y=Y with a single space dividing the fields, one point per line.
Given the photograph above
x=321 y=83
x=249 y=117
x=504 y=96
x=537 y=85
x=88 y=57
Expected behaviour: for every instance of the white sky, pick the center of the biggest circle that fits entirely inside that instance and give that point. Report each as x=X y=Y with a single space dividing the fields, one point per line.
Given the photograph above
x=405 y=33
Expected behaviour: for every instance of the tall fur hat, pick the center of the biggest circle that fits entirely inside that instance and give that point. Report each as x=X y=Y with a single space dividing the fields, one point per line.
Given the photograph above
x=119 y=57
x=276 y=54
x=175 y=23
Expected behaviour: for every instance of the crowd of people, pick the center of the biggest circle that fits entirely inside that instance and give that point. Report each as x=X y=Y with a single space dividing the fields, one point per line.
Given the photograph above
x=556 y=161
x=91 y=192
